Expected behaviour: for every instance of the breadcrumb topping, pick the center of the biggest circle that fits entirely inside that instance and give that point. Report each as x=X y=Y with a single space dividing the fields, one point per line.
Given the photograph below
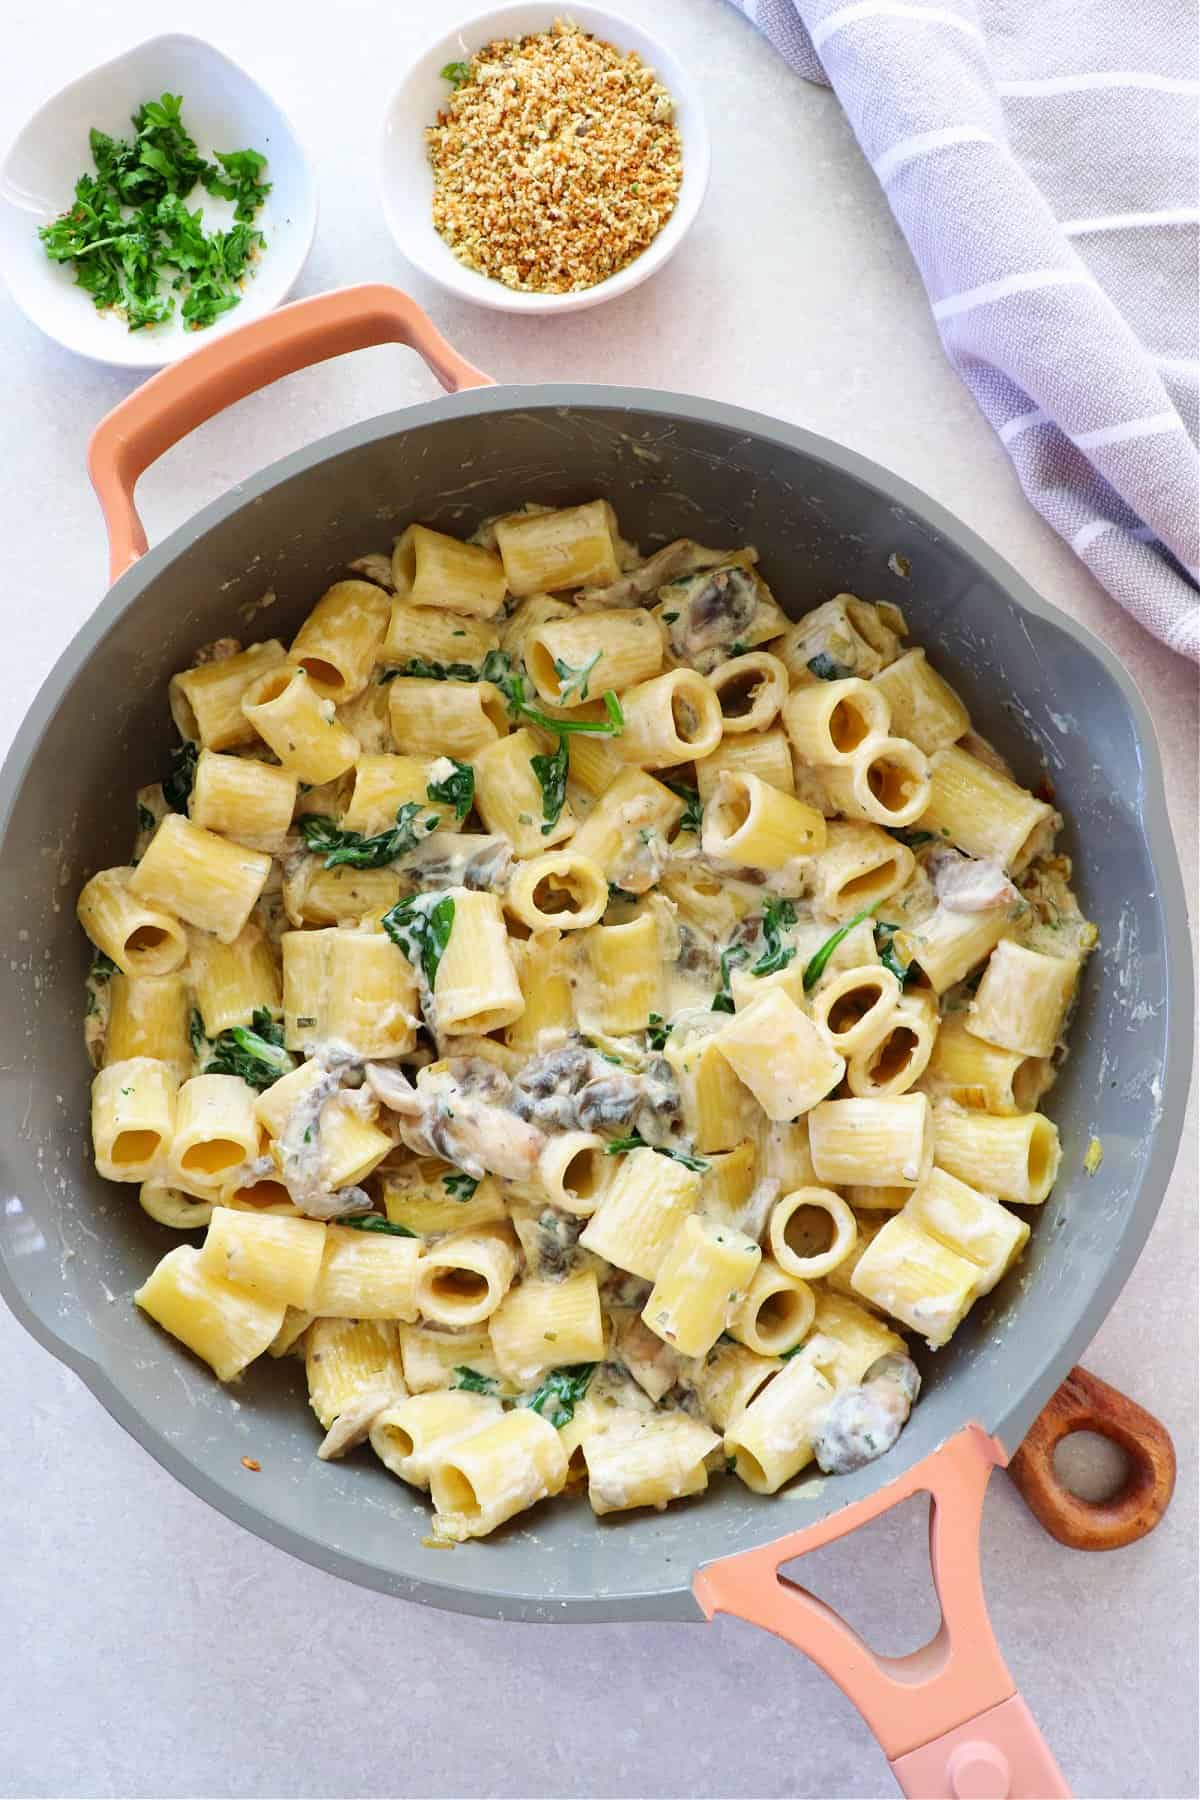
x=556 y=162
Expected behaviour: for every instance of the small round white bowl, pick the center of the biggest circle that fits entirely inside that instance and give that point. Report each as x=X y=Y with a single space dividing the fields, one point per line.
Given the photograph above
x=406 y=176
x=224 y=109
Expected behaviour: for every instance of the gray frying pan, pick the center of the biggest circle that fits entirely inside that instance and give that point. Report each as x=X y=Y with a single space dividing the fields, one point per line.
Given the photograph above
x=1053 y=698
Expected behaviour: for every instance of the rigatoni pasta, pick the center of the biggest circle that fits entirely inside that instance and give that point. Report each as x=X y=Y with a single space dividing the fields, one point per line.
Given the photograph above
x=587 y=1016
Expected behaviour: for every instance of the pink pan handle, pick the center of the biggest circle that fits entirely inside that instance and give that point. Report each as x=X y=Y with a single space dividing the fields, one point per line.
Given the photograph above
x=948 y=1716
x=205 y=382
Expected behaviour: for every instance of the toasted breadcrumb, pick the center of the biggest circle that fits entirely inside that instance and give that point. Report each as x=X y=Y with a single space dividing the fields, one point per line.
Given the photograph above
x=556 y=161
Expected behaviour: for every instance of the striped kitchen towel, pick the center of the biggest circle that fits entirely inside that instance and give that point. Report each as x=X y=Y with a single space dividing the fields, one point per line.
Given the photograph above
x=1040 y=158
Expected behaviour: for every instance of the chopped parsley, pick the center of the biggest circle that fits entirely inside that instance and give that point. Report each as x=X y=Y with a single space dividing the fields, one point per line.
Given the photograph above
x=560 y=1393
x=325 y=838
x=692 y=810
x=102 y=967
x=177 y=784
x=914 y=839
x=618 y=1146
x=254 y=1051
x=778 y=916
x=473 y=1382
x=657 y=1031
x=196 y=1032
x=460 y=1186
x=417 y=668
x=457 y=790
x=130 y=237
x=825 y=668
x=817 y=964
x=551 y=773
x=373 y=1222
x=456 y=73
x=421 y=927
x=572 y=680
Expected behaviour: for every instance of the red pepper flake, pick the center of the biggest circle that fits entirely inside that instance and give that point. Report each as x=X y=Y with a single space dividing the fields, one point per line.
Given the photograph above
x=248 y=1462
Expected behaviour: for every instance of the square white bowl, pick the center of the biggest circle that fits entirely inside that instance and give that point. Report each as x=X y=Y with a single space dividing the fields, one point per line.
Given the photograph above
x=406 y=175
x=224 y=109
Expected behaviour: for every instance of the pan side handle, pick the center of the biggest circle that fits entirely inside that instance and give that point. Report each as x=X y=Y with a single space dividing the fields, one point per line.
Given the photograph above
x=947 y=1716
x=177 y=399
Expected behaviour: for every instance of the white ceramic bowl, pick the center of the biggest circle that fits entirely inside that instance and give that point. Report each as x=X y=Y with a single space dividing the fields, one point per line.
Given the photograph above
x=406 y=177
x=224 y=109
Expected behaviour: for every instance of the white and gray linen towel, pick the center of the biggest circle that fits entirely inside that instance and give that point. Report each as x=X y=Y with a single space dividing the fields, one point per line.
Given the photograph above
x=1040 y=158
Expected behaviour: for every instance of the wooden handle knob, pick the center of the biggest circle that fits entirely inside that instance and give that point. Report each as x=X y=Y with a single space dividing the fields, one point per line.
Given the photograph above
x=1085 y=1403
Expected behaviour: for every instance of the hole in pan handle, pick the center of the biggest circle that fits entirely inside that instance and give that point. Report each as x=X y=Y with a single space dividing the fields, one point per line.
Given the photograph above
x=1085 y=1403
x=948 y=1716
x=173 y=402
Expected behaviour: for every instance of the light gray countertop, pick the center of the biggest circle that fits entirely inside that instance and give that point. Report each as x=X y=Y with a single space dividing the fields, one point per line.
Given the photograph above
x=151 y=1648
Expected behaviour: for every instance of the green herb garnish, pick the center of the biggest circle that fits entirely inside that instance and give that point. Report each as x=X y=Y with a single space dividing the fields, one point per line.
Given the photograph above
x=130 y=236
x=778 y=917
x=101 y=967
x=551 y=773
x=723 y=999
x=456 y=73
x=560 y=1393
x=460 y=1187
x=325 y=838
x=421 y=927
x=817 y=964
x=914 y=839
x=373 y=1222
x=692 y=810
x=474 y=1382
x=145 y=818
x=255 y=1052
x=572 y=680
x=196 y=1032
x=657 y=1031
x=617 y=1147
x=826 y=669
x=177 y=783
x=885 y=943
x=457 y=790
x=418 y=669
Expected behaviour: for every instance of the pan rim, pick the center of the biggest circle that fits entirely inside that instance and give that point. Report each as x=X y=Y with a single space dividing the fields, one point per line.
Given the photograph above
x=671 y=1601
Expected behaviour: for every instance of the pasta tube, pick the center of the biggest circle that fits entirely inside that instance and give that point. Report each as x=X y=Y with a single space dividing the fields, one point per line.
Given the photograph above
x=206 y=702
x=496 y=1472
x=226 y=1326
x=142 y=940
x=977 y=1074
x=148 y=1016
x=445 y=718
x=727 y=1379
x=701 y=1279
x=982 y=811
x=750 y=690
x=338 y=644
x=241 y=798
x=292 y=718
x=776 y=1312
x=859 y=867
x=546 y=1324
x=779 y=1054
x=871 y=1143
x=134 y=1106
x=923 y=706
x=811 y=1232
x=476 y=989
x=1022 y=1002
x=572 y=547
x=366 y=1276
x=279 y=1259
x=511 y=798
x=884 y=780
x=671 y=719
x=561 y=890
x=463 y=1278
x=231 y=982
x=593 y=652
x=660 y=1457
x=917 y=1280
x=771 y=1439
x=431 y=569
x=200 y=877
x=748 y=821
x=430 y=634
x=969 y=1223
x=829 y=721
x=215 y=1132
x=642 y=1209
x=1015 y=1159
x=354 y=1372
x=762 y=753
x=409 y=1436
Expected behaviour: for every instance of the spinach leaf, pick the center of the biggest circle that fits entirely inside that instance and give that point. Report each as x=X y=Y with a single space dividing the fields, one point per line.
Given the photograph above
x=177 y=784
x=617 y=1147
x=255 y=1052
x=196 y=1033
x=778 y=917
x=574 y=681
x=417 y=667
x=885 y=943
x=657 y=1031
x=460 y=1187
x=326 y=838
x=723 y=999
x=560 y=1393
x=421 y=927
x=473 y=1381
x=373 y=1222
x=145 y=818
x=817 y=964
x=693 y=812
x=914 y=839
x=551 y=773
x=457 y=790
x=826 y=669
x=102 y=967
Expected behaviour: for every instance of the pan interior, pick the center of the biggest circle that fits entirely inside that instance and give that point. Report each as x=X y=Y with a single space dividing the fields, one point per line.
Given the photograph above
x=74 y=1247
